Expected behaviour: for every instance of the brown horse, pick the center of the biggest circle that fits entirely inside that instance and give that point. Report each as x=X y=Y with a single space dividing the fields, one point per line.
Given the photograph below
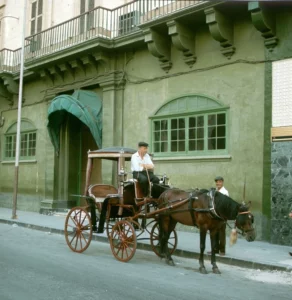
x=207 y=210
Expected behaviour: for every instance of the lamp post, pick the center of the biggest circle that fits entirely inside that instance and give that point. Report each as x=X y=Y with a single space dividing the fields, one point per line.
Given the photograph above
x=14 y=216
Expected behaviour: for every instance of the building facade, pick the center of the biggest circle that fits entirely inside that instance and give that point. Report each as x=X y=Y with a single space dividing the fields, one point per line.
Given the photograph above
x=193 y=78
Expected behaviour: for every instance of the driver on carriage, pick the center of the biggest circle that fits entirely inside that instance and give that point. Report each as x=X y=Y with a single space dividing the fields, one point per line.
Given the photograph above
x=142 y=168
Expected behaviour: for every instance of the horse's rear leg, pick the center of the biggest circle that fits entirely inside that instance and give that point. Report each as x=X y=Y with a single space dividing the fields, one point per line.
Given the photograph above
x=171 y=227
x=214 y=248
x=164 y=227
x=203 y=234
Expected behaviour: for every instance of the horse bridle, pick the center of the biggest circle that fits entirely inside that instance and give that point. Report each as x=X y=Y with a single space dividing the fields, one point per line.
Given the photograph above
x=246 y=231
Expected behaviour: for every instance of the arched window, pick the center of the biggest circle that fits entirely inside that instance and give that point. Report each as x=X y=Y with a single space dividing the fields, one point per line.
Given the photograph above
x=27 y=141
x=190 y=125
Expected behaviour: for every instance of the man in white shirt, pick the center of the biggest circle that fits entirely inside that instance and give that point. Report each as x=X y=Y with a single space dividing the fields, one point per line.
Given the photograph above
x=221 y=234
x=219 y=181
x=142 y=167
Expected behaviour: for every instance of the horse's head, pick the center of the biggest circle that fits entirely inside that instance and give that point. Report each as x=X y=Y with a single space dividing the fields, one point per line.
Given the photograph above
x=244 y=221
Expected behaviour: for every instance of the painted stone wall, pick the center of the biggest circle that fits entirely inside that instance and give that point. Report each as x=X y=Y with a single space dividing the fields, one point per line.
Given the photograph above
x=281 y=184
x=238 y=86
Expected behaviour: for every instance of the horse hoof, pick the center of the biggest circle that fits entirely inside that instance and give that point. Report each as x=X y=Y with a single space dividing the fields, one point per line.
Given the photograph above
x=203 y=270
x=216 y=271
x=170 y=262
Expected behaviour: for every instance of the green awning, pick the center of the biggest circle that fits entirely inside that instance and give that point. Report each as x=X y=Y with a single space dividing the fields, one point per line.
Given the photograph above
x=85 y=105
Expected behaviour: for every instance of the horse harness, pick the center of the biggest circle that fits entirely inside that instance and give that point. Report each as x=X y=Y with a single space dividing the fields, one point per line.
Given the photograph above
x=193 y=197
x=211 y=207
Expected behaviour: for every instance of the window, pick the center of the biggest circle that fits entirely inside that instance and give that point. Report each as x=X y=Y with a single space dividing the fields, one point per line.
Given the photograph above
x=36 y=17
x=87 y=20
x=128 y=22
x=192 y=125
x=27 y=141
x=36 y=24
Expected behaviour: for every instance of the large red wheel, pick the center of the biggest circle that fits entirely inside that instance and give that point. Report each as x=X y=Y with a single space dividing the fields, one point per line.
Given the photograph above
x=154 y=240
x=78 y=229
x=123 y=240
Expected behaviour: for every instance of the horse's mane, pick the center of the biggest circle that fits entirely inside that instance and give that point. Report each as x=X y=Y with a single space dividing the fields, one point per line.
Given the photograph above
x=226 y=206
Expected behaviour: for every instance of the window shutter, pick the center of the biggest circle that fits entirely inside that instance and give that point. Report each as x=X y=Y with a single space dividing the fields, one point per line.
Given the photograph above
x=39 y=24
x=90 y=4
x=40 y=7
x=82 y=6
x=33 y=10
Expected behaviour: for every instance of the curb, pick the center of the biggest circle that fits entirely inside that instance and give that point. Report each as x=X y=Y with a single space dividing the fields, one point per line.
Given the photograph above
x=178 y=252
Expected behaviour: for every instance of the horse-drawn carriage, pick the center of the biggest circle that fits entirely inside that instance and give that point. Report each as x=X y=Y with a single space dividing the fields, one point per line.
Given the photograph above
x=117 y=208
x=123 y=205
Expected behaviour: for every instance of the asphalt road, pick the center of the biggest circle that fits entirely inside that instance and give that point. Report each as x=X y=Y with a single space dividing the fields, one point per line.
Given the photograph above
x=37 y=265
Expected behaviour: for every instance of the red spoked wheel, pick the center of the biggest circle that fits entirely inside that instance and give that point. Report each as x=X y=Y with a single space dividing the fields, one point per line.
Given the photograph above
x=78 y=229
x=154 y=240
x=123 y=240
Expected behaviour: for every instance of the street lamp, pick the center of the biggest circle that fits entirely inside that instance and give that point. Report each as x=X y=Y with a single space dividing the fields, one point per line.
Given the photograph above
x=14 y=216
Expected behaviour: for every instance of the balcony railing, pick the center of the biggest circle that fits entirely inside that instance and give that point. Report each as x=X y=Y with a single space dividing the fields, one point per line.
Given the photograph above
x=9 y=60
x=99 y=22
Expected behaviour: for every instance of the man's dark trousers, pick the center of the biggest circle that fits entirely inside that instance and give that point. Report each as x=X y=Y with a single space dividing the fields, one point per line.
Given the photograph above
x=144 y=181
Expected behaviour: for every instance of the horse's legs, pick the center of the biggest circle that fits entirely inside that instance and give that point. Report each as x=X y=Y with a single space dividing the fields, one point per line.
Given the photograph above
x=203 y=234
x=214 y=248
x=161 y=222
x=171 y=227
x=164 y=225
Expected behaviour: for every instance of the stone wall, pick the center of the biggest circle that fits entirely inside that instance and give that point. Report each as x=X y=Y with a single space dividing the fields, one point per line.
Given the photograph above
x=281 y=196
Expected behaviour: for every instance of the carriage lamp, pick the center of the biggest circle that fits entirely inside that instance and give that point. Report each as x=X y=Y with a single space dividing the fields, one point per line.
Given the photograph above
x=165 y=179
x=123 y=175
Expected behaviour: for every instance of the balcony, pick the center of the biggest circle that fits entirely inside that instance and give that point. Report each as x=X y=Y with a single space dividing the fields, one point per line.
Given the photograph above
x=100 y=23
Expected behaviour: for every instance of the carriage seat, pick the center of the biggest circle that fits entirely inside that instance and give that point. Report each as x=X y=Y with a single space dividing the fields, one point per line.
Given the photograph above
x=138 y=190
x=101 y=191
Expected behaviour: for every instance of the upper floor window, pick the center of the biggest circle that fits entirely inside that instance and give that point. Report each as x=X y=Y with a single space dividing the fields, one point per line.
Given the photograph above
x=36 y=19
x=86 y=21
x=27 y=141
x=191 y=125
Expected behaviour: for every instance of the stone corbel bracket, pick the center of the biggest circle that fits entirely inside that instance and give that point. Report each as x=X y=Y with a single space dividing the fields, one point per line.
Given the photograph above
x=159 y=46
x=66 y=67
x=9 y=88
x=103 y=60
x=221 y=29
x=184 y=40
x=55 y=70
x=77 y=64
x=264 y=22
x=46 y=74
x=89 y=60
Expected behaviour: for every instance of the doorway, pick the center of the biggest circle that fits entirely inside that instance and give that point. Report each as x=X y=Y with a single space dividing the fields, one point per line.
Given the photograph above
x=75 y=141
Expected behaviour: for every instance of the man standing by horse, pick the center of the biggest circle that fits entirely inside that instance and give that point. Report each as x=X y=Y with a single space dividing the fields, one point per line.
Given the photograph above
x=221 y=234
x=142 y=168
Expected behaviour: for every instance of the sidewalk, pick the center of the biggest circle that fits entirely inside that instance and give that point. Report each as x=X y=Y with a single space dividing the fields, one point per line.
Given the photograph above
x=256 y=255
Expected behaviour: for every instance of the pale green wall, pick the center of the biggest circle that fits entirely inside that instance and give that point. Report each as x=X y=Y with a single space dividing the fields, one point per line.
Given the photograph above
x=31 y=183
x=239 y=86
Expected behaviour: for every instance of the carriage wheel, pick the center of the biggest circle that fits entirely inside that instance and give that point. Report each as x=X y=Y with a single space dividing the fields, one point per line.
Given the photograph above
x=78 y=229
x=154 y=240
x=109 y=227
x=123 y=241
